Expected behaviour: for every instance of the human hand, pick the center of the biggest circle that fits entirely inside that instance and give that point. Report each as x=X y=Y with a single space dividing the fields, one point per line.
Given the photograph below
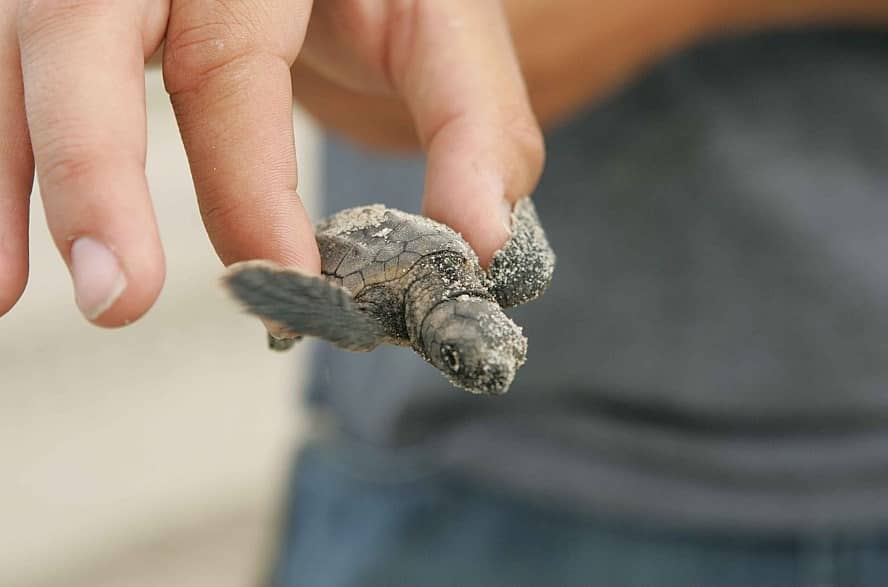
x=574 y=52
x=72 y=89
x=571 y=52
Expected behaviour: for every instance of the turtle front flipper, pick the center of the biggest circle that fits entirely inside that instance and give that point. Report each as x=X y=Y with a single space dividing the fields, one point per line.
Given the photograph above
x=303 y=304
x=522 y=270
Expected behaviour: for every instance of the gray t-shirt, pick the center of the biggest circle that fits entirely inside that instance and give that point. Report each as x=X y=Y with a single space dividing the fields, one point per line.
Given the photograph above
x=714 y=347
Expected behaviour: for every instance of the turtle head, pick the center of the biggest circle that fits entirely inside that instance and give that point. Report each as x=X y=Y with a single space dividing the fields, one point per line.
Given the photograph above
x=474 y=344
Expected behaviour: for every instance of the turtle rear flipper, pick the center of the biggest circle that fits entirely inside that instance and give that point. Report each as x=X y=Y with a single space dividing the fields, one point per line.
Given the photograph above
x=522 y=270
x=276 y=343
x=303 y=304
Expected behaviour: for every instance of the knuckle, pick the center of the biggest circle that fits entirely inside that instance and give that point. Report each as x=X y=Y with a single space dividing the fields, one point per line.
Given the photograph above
x=38 y=16
x=65 y=164
x=63 y=170
x=197 y=52
x=205 y=38
x=220 y=212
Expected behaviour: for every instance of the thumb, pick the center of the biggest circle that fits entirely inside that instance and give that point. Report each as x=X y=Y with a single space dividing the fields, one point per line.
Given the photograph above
x=454 y=64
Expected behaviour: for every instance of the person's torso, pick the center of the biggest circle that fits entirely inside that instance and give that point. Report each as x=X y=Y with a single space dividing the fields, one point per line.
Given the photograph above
x=714 y=345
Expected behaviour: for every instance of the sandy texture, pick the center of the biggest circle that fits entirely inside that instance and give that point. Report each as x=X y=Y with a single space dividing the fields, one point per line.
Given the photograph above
x=522 y=270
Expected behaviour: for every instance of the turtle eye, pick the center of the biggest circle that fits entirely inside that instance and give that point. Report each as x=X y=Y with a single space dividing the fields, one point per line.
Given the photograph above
x=450 y=356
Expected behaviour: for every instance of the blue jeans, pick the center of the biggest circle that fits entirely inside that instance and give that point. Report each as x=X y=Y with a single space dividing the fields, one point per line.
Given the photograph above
x=363 y=519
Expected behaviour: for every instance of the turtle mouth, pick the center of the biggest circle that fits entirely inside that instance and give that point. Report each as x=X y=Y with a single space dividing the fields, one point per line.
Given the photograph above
x=495 y=381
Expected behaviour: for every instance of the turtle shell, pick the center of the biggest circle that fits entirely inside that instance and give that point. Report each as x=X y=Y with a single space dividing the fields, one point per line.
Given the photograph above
x=373 y=245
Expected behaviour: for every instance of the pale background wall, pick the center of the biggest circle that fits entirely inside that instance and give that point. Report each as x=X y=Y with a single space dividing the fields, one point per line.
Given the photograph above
x=154 y=454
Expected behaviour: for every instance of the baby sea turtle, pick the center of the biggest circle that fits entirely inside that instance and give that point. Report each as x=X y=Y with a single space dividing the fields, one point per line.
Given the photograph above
x=403 y=279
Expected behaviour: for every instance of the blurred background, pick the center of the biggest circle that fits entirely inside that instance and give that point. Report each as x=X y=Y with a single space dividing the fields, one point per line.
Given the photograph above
x=154 y=454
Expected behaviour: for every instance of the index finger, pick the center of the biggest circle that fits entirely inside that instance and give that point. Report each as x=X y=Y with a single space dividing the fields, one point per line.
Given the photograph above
x=227 y=69
x=455 y=65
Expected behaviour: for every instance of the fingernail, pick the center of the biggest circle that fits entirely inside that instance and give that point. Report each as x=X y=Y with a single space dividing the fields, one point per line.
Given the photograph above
x=98 y=279
x=506 y=215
